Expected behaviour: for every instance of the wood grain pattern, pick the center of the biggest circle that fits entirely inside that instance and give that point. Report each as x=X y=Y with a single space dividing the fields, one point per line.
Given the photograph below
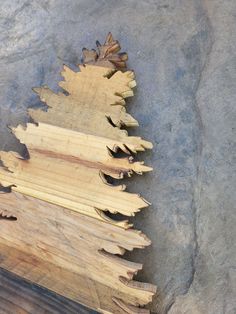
x=99 y=110
x=18 y=296
x=77 y=163
x=107 y=55
x=54 y=226
x=73 y=243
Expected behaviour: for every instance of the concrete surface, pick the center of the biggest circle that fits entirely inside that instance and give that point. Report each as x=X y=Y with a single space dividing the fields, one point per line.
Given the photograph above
x=184 y=56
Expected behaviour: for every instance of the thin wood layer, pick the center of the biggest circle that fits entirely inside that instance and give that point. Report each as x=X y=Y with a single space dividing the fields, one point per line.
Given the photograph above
x=18 y=297
x=95 y=104
x=77 y=244
x=67 y=168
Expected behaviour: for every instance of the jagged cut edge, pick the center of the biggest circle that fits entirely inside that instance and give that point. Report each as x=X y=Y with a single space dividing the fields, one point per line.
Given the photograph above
x=107 y=56
x=142 y=291
x=116 y=119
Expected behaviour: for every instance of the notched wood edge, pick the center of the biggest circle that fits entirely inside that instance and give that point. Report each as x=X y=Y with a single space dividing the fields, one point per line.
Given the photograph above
x=106 y=55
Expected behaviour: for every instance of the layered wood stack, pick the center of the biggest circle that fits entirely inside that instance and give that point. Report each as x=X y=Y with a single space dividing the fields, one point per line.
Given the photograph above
x=55 y=227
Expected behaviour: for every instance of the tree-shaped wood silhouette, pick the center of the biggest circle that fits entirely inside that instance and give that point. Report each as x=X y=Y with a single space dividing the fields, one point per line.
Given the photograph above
x=63 y=237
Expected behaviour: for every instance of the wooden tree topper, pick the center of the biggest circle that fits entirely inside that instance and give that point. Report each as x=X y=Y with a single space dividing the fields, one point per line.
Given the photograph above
x=55 y=229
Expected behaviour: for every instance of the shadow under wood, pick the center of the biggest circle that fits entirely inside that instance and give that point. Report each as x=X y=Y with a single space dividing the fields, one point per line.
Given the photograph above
x=5 y=215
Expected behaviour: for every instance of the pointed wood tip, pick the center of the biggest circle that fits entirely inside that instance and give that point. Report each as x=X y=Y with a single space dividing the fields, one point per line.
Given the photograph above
x=107 y=55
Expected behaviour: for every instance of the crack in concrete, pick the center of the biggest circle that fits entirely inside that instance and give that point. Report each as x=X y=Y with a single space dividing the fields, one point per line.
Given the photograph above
x=199 y=170
x=197 y=186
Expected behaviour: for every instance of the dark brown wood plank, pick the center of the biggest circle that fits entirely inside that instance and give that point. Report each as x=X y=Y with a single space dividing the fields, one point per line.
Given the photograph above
x=17 y=296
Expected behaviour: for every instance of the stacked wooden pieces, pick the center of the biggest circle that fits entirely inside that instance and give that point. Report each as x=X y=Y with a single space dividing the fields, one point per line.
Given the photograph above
x=55 y=228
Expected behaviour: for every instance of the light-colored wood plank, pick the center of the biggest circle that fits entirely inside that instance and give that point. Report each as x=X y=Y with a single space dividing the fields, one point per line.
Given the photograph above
x=96 y=97
x=54 y=225
x=75 y=243
x=67 y=168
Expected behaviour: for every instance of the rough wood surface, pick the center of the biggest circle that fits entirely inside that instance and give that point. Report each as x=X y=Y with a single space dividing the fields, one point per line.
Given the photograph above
x=95 y=104
x=18 y=296
x=107 y=54
x=55 y=230
x=68 y=242
x=67 y=168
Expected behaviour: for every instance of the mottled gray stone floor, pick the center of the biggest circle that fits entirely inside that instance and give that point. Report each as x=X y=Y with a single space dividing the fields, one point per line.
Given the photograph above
x=184 y=56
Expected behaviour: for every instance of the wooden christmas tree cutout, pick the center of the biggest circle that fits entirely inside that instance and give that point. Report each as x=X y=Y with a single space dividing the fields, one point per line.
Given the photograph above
x=54 y=224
